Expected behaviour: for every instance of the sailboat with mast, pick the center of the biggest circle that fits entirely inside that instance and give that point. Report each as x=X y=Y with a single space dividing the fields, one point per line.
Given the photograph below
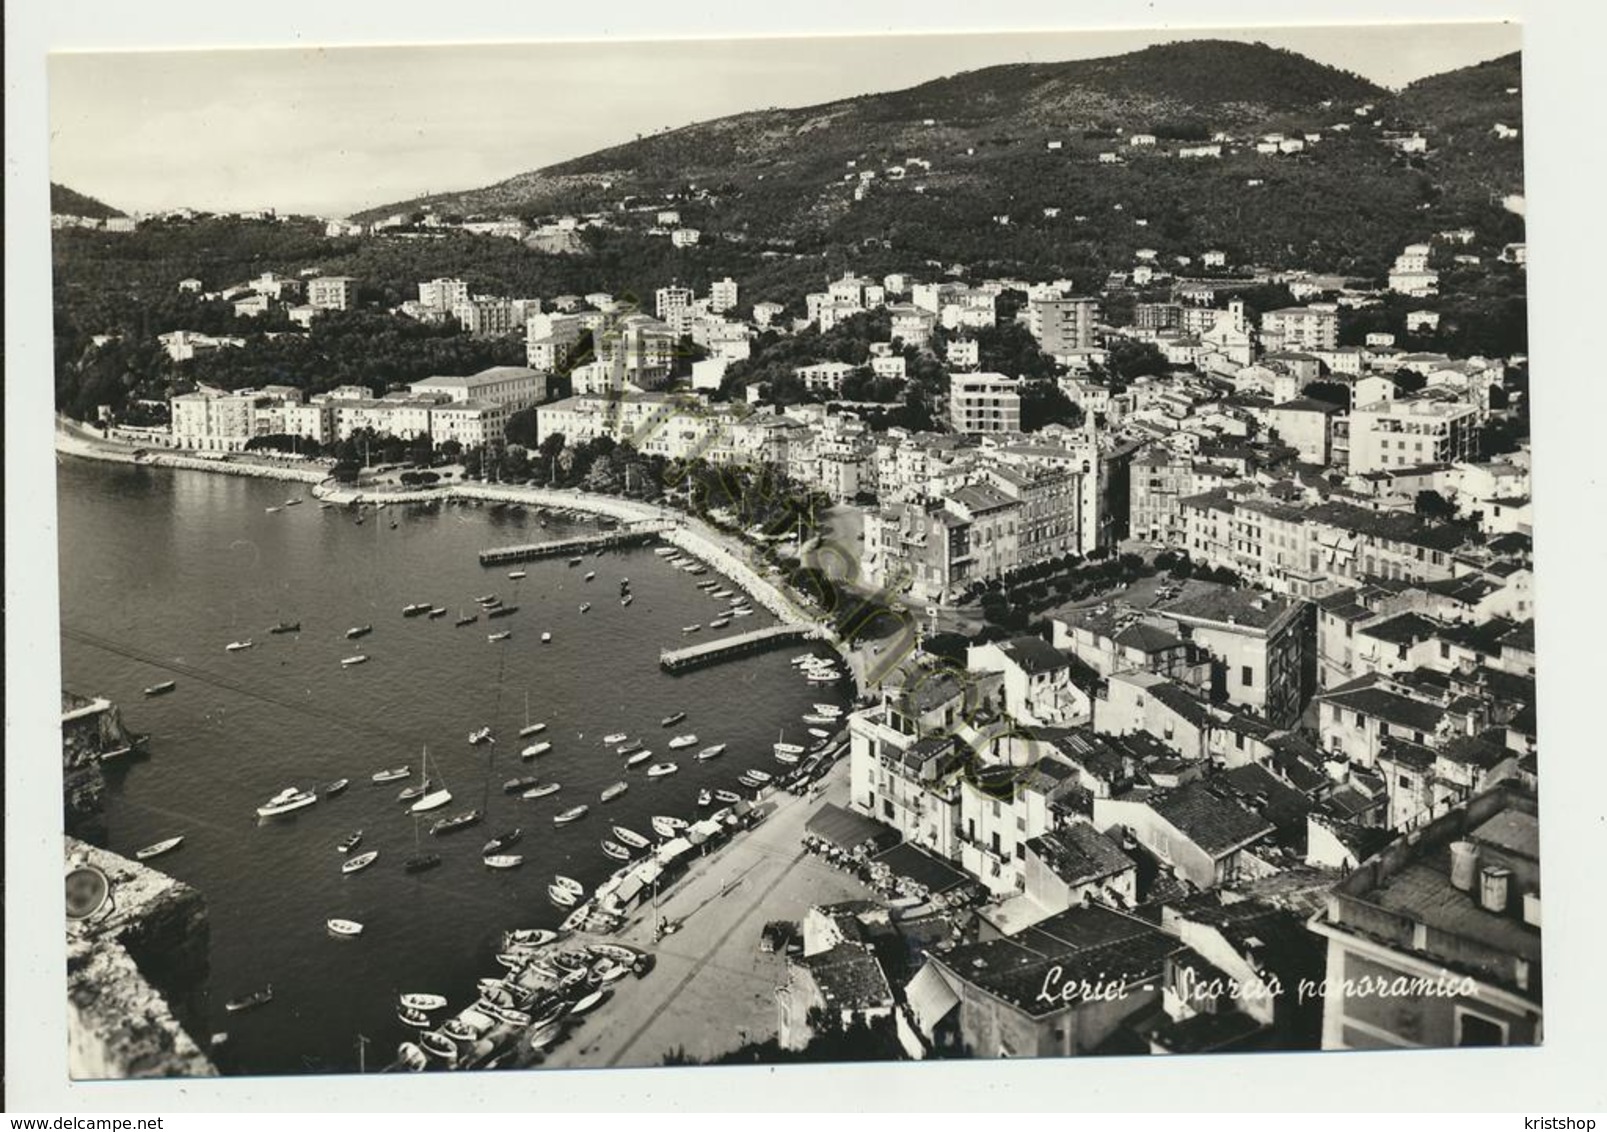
x=530 y=728
x=420 y=861
x=432 y=799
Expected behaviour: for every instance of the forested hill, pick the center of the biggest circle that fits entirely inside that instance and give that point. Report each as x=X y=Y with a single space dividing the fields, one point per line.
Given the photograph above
x=1001 y=168
x=66 y=202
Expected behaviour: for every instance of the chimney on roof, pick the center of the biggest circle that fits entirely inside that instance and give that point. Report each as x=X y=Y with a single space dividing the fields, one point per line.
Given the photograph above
x=1464 y=865
x=1494 y=888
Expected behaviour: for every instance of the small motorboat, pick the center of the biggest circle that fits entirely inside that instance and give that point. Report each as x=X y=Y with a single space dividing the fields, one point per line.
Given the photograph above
x=159 y=848
x=668 y=826
x=742 y=611
x=660 y=770
x=468 y=619
x=530 y=729
x=569 y=883
x=617 y=851
x=487 y=599
x=392 y=775
x=346 y=928
x=749 y=781
x=627 y=599
x=503 y=861
x=590 y=574
x=820 y=733
x=507 y=1014
x=562 y=896
x=250 y=1001
x=502 y=841
x=585 y=607
x=541 y=791
x=535 y=750
x=411 y=1057
x=691 y=628
x=628 y=748
x=672 y=719
x=292 y=503
x=408 y=1016
x=639 y=757
x=421 y=862
x=576 y=561
x=664 y=551
x=352 y=661
x=240 y=646
x=502 y=636
x=713 y=752
x=828 y=709
x=574 y=813
x=161 y=689
x=528 y=937
x=611 y=792
x=815 y=717
x=360 y=862
x=438 y=1045
x=788 y=758
x=521 y=784
x=704 y=798
x=358 y=631
x=330 y=789
x=681 y=741
x=516 y=575
x=758 y=776
x=616 y=737
x=788 y=748
x=285 y=627
x=456 y=822
x=350 y=842
x=589 y=1003
x=416 y=609
x=546 y=638
x=437 y=611
x=416 y=791
x=500 y=610
x=424 y=1002
x=273 y=510
x=286 y=801
x=719 y=623
x=629 y=837
x=729 y=797
x=483 y=735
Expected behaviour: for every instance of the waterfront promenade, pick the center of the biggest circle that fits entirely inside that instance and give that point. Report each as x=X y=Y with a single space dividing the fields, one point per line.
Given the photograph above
x=711 y=989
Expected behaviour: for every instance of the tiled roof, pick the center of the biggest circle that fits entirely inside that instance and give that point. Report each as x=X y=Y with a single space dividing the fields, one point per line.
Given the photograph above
x=1386 y=705
x=1216 y=824
x=1034 y=655
x=1079 y=854
x=849 y=977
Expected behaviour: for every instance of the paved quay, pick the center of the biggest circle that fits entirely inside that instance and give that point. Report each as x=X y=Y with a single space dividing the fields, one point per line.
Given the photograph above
x=711 y=988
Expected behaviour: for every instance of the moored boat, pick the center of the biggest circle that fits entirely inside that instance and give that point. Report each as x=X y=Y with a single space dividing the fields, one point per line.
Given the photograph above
x=501 y=611
x=561 y=896
x=630 y=837
x=456 y=822
x=438 y=1045
x=410 y=793
x=421 y=862
x=616 y=737
x=350 y=842
x=627 y=599
x=590 y=1002
x=659 y=770
x=250 y=1001
x=415 y=609
x=615 y=850
x=156 y=850
x=424 y=1002
x=360 y=862
x=672 y=719
x=502 y=841
x=574 y=813
x=713 y=752
x=758 y=775
x=521 y=784
x=668 y=826
x=240 y=646
x=437 y=611
x=330 y=789
x=719 y=623
x=353 y=661
x=347 y=928
x=480 y=735
x=535 y=749
x=433 y=799
x=628 y=748
x=358 y=631
x=681 y=741
x=285 y=627
x=704 y=798
x=546 y=638
x=542 y=791
x=820 y=733
x=529 y=937
x=411 y=1057
x=286 y=801
x=502 y=636
x=392 y=775
x=611 y=792
x=639 y=757
x=729 y=797
x=503 y=861
x=161 y=689
x=467 y=619
x=516 y=575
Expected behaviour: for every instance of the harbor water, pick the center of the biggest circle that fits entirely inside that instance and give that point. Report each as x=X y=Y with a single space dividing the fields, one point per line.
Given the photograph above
x=161 y=569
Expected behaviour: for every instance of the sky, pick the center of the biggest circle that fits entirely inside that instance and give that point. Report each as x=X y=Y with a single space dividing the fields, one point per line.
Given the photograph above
x=330 y=132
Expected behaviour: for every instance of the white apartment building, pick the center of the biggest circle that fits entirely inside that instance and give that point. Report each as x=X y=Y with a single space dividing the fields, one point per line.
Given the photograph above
x=723 y=295
x=1411 y=432
x=984 y=402
x=673 y=305
x=332 y=292
x=443 y=294
x=824 y=377
x=513 y=386
x=1314 y=327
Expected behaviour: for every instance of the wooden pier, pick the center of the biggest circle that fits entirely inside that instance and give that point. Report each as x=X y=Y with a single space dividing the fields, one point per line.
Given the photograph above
x=580 y=544
x=741 y=644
